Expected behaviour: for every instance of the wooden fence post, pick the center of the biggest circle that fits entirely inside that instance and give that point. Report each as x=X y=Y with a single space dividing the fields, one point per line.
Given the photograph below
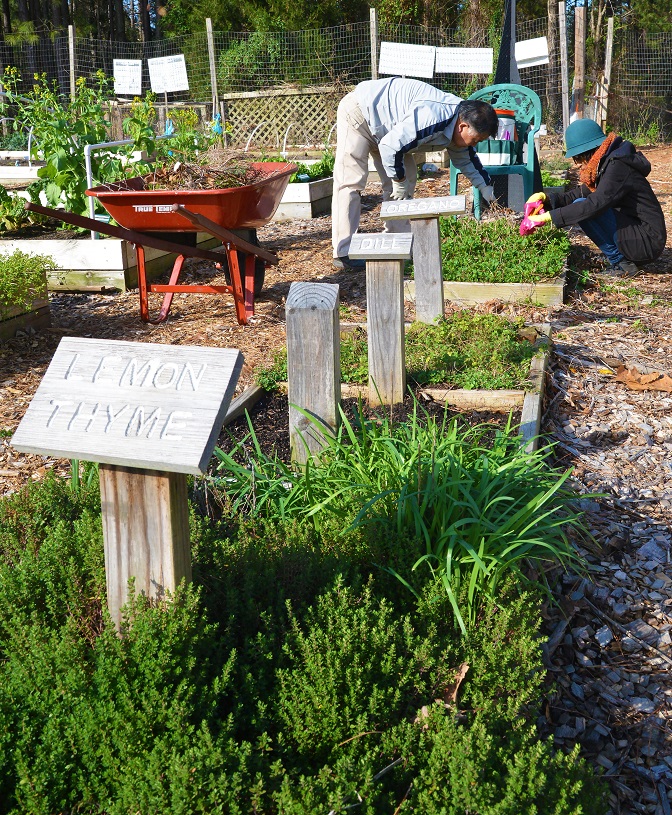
x=213 y=66
x=424 y=214
x=603 y=100
x=373 y=28
x=564 y=75
x=385 y=255
x=579 y=91
x=313 y=366
x=71 y=55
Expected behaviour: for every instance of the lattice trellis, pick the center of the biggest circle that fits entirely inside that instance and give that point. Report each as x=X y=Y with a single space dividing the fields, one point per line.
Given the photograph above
x=302 y=118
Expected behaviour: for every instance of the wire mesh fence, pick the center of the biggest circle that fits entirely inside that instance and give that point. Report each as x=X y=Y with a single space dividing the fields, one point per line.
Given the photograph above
x=327 y=62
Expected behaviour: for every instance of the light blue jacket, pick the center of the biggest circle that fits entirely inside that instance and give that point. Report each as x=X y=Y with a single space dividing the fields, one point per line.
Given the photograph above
x=404 y=114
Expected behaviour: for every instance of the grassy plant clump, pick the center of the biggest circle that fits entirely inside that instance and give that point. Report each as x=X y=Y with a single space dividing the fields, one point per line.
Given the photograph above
x=475 y=513
x=22 y=280
x=292 y=677
x=464 y=350
x=496 y=252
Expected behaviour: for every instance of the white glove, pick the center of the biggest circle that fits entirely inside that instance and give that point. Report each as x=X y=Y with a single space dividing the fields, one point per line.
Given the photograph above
x=488 y=193
x=400 y=190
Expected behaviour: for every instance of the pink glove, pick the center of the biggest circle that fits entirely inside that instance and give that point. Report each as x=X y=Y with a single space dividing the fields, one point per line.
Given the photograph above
x=527 y=225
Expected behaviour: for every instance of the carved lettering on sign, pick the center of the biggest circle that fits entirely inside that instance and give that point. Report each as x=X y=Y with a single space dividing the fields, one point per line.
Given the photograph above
x=141 y=405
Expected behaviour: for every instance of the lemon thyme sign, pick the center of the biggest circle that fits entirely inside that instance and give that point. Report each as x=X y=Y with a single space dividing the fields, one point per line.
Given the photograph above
x=140 y=405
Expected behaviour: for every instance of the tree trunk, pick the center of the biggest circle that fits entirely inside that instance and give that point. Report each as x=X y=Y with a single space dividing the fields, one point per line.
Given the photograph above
x=144 y=20
x=119 y=20
x=6 y=17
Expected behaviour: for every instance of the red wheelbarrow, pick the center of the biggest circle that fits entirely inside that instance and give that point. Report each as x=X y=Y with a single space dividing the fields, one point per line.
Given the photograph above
x=151 y=217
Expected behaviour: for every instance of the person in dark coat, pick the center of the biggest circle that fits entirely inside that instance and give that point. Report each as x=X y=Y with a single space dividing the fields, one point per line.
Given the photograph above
x=614 y=204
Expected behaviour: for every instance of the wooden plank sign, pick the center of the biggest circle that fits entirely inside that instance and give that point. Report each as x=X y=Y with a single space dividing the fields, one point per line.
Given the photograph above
x=423 y=207
x=149 y=414
x=134 y=404
x=385 y=246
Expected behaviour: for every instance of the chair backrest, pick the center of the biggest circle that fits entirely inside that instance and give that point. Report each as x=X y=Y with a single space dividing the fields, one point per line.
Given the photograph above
x=525 y=104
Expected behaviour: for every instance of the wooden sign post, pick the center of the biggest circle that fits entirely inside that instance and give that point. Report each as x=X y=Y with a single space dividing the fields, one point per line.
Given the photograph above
x=385 y=255
x=149 y=414
x=423 y=214
x=313 y=366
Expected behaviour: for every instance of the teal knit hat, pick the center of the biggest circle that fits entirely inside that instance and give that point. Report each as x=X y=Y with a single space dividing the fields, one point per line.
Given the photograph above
x=582 y=135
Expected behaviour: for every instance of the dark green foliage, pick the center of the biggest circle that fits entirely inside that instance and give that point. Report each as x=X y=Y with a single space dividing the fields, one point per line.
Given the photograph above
x=284 y=681
x=496 y=252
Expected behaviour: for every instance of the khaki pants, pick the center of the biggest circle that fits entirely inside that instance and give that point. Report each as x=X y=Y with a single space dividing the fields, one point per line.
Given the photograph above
x=354 y=144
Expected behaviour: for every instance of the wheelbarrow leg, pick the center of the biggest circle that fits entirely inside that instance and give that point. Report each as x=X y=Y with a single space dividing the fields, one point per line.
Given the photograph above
x=250 y=263
x=145 y=289
x=238 y=292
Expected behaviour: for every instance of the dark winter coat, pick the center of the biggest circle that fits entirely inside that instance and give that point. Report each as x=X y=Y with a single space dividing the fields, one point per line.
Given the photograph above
x=621 y=185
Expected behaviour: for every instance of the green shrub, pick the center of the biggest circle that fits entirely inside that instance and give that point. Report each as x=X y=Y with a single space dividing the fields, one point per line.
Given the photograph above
x=22 y=280
x=496 y=252
x=292 y=677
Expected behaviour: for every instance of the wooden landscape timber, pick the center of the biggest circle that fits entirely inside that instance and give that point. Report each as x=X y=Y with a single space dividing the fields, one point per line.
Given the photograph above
x=385 y=255
x=109 y=264
x=465 y=293
x=18 y=318
x=149 y=414
x=313 y=366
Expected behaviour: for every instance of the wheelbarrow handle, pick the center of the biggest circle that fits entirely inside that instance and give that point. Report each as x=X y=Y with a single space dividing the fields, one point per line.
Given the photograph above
x=138 y=238
x=224 y=234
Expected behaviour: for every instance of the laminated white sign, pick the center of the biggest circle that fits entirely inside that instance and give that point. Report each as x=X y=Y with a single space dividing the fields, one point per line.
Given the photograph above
x=532 y=52
x=168 y=74
x=463 y=61
x=401 y=59
x=127 y=76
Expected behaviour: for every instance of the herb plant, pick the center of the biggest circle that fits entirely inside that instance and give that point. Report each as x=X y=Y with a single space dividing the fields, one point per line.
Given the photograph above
x=495 y=252
x=464 y=350
x=292 y=676
x=22 y=280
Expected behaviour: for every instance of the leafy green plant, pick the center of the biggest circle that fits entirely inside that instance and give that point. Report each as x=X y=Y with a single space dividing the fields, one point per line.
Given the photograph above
x=495 y=252
x=61 y=129
x=18 y=140
x=22 y=280
x=549 y=179
x=13 y=214
x=464 y=350
x=287 y=679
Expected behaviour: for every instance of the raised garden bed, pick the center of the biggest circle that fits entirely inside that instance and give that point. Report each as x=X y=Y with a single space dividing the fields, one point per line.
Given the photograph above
x=305 y=200
x=506 y=373
x=24 y=302
x=489 y=260
x=82 y=264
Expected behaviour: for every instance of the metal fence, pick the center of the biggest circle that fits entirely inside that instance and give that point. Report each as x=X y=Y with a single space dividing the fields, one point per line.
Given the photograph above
x=326 y=62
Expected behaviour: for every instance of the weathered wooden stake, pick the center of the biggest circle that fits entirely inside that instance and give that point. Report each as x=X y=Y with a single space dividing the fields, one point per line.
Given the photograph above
x=427 y=269
x=386 y=333
x=146 y=532
x=71 y=60
x=423 y=214
x=564 y=70
x=313 y=366
x=213 y=65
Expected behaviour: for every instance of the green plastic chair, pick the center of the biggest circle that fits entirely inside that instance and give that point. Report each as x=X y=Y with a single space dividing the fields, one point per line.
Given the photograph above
x=526 y=106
